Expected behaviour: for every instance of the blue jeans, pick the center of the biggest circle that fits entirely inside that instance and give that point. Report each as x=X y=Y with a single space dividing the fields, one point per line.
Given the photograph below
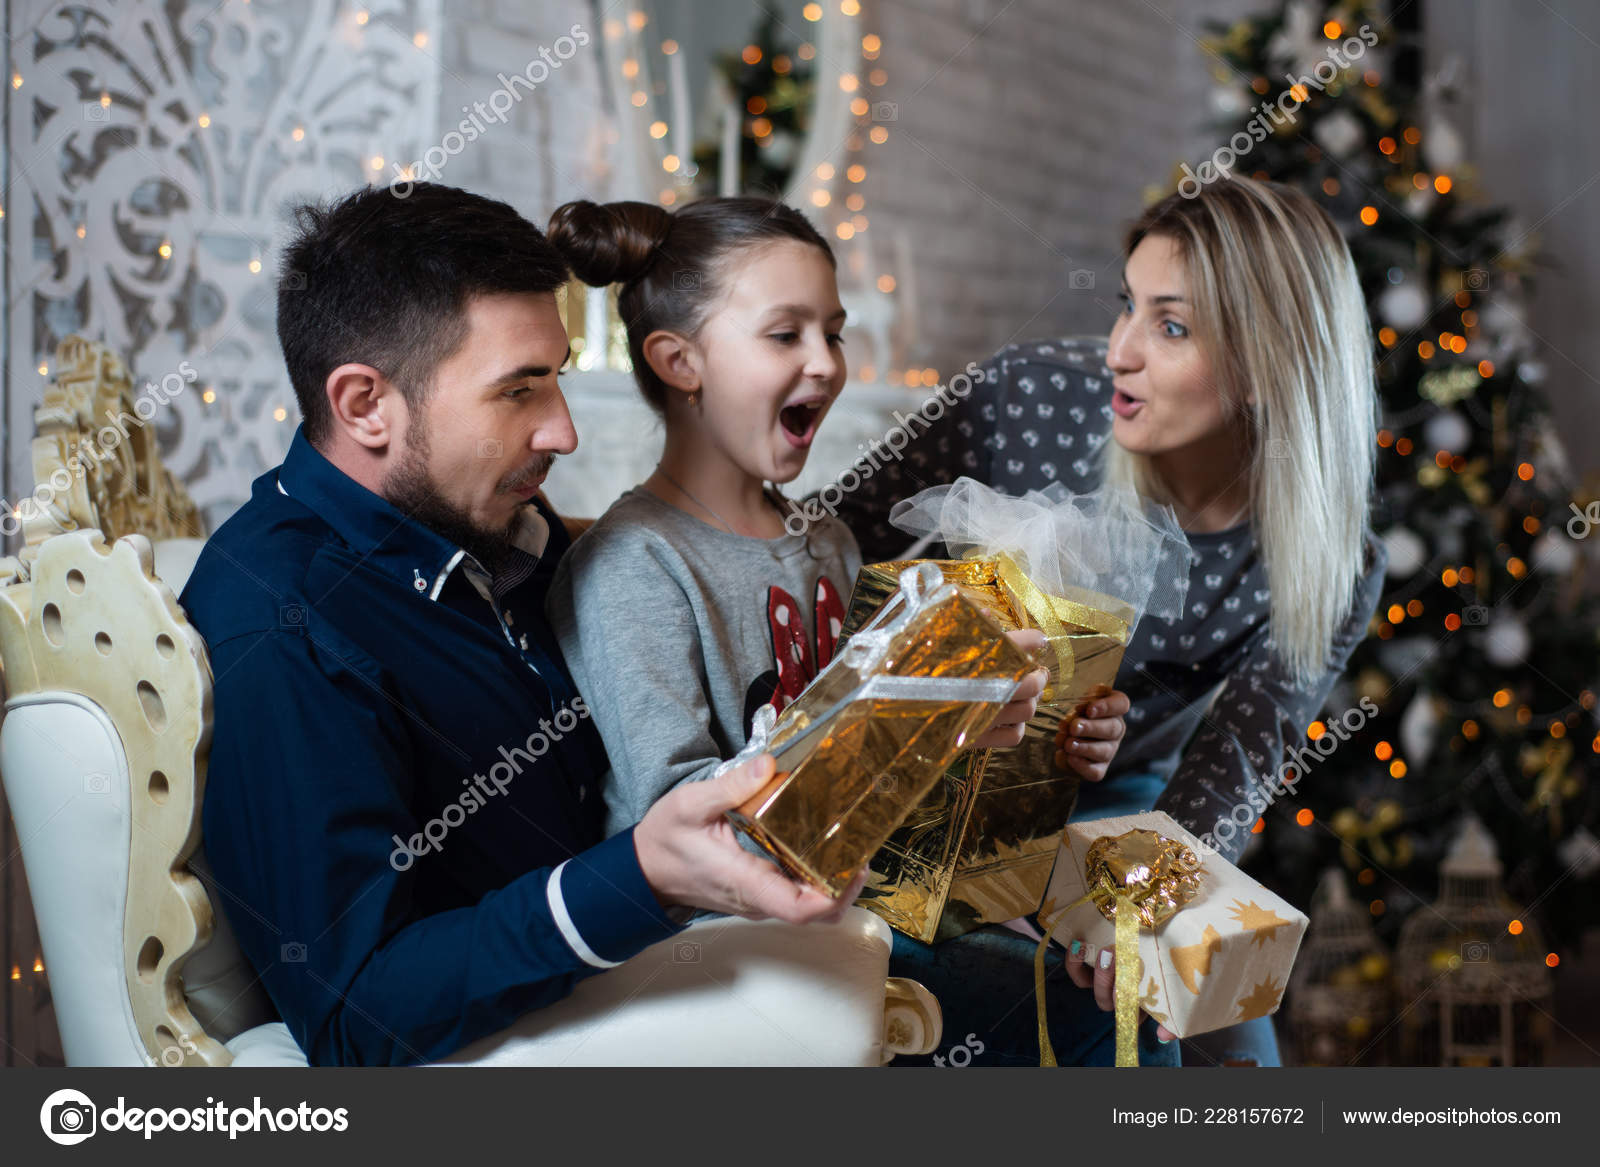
x=1250 y=1042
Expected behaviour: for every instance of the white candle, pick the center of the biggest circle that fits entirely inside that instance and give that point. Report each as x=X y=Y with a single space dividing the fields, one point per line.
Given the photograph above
x=732 y=124
x=682 y=124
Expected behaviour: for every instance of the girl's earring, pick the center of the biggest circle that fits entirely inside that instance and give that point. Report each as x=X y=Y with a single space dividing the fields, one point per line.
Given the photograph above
x=694 y=399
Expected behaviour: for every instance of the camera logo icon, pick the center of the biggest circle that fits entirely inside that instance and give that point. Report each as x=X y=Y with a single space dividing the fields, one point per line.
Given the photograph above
x=685 y=281
x=67 y=1117
x=1081 y=280
x=490 y=447
x=886 y=784
x=1277 y=448
x=885 y=111
x=293 y=281
x=93 y=111
x=1475 y=952
x=293 y=952
x=292 y=616
x=1475 y=614
x=97 y=784
x=1477 y=279
x=686 y=952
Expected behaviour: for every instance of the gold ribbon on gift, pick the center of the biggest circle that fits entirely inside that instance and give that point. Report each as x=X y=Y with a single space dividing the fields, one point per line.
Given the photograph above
x=1136 y=878
x=1051 y=614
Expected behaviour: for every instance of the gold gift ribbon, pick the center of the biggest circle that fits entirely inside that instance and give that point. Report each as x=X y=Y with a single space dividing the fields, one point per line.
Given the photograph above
x=1051 y=614
x=1137 y=877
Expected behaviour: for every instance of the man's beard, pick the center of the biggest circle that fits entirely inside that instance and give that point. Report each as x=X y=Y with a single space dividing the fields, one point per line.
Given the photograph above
x=411 y=489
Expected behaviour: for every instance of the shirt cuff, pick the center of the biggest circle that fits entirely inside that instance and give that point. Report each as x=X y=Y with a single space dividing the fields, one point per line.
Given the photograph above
x=603 y=906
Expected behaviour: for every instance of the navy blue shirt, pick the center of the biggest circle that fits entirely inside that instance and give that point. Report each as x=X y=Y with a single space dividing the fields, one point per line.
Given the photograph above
x=403 y=808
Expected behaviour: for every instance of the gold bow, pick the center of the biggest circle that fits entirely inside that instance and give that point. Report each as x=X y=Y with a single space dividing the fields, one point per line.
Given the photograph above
x=1137 y=877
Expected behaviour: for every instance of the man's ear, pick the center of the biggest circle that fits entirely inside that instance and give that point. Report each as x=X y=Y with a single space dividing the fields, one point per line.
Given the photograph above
x=674 y=359
x=366 y=407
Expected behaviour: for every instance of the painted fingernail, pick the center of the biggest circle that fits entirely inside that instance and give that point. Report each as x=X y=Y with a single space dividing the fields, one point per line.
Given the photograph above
x=1105 y=958
x=1163 y=1040
x=1075 y=950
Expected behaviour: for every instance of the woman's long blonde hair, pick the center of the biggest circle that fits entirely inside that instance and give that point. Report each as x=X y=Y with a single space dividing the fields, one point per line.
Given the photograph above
x=1280 y=315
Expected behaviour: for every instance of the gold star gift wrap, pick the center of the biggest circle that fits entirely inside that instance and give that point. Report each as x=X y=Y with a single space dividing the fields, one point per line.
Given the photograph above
x=1222 y=958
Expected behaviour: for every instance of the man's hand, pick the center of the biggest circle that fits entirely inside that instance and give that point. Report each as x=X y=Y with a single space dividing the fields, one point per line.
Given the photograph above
x=1101 y=978
x=1088 y=741
x=690 y=856
x=1006 y=730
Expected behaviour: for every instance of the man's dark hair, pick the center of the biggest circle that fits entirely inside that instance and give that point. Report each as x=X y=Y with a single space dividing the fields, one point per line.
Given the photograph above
x=384 y=280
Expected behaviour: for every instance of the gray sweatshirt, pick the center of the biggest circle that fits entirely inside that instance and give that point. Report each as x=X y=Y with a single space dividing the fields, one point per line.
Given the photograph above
x=676 y=632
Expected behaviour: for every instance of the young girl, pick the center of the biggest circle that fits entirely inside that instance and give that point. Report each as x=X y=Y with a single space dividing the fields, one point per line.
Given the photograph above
x=689 y=605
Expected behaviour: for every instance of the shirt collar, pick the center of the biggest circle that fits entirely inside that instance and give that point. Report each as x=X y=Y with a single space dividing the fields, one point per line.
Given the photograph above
x=384 y=537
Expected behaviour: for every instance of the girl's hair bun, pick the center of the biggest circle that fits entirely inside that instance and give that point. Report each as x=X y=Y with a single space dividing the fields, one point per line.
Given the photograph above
x=610 y=243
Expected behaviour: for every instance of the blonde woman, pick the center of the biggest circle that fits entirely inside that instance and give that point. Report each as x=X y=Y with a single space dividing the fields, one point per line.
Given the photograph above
x=1238 y=386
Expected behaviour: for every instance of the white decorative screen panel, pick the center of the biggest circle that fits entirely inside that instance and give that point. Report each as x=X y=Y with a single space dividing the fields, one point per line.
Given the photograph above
x=152 y=150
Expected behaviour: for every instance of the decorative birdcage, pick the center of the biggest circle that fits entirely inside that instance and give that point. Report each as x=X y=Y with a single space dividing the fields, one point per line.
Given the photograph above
x=1340 y=993
x=1474 y=988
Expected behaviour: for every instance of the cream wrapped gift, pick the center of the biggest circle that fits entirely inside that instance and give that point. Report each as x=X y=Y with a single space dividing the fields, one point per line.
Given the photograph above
x=1214 y=947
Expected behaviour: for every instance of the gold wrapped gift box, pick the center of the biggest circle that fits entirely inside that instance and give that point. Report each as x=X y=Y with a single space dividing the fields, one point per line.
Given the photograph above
x=873 y=733
x=979 y=847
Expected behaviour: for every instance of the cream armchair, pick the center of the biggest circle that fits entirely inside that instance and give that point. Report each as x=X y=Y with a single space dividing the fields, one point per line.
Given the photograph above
x=103 y=751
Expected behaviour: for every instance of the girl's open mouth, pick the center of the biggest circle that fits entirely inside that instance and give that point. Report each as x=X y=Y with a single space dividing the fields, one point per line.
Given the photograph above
x=799 y=422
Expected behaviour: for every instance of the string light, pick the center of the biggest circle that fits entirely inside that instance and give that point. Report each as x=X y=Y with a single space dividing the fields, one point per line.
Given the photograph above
x=850 y=8
x=363 y=16
x=886 y=285
x=280 y=414
x=637 y=20
x=165 y=250
x=44 y=369
x=670 y=163
x=658 y=130
x=38 y=964
x=209 y=396
x=298 y=134
x=1369 y=214
x=825 y=171
x=879 y=135
x=377 y=162
x=751 y=55
x=1304 y=816
x=420 y=40
x=255 y=267
x=870 y=43
x=668 y=47
x=812 y=12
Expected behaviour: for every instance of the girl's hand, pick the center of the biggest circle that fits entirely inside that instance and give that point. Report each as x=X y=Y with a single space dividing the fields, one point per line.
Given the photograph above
x=1087 y=742
x=1101 y=978
x=1009 y=724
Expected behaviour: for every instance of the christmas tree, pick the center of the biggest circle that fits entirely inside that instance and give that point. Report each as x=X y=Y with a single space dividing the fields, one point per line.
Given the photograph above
x=1482 y=659
x=772 y=80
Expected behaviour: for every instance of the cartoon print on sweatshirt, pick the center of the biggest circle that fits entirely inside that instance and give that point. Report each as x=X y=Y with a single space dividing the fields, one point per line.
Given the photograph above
x=795 y=661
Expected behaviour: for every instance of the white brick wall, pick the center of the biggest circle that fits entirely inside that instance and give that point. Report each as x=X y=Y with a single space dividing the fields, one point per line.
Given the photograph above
x=1027 y=134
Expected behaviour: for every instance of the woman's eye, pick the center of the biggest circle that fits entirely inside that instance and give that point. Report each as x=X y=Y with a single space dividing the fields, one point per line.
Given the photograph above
x=518 y=392
x=835 y=338
x=1127 y=301
x=785 y=337
x=1173 y=329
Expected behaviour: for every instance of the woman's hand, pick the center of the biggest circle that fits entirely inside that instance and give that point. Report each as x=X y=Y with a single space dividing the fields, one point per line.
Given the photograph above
x=1101 y=978
x=1088 y=741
